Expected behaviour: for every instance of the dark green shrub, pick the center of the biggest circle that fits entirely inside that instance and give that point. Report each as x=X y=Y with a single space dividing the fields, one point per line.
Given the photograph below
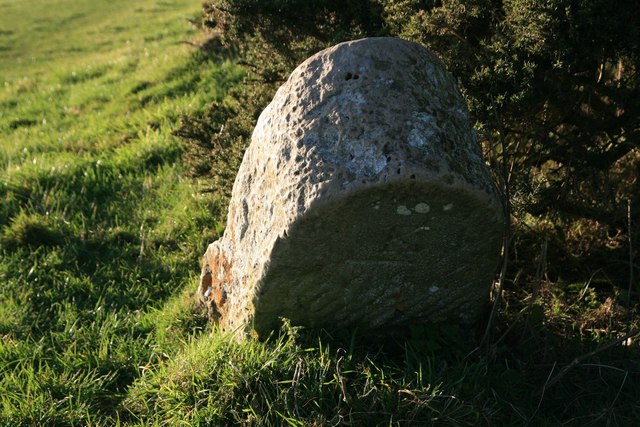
x=553 y=87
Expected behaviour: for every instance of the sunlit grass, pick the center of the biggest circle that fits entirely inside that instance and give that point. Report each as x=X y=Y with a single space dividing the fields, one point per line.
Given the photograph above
x=98 y=225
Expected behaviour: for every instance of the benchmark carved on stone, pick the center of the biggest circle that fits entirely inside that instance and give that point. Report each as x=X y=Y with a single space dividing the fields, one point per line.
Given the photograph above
x=363 y=200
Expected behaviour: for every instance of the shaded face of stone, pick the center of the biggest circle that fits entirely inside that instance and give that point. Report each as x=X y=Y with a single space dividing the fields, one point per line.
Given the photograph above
x=383 y=258
x=362 y=200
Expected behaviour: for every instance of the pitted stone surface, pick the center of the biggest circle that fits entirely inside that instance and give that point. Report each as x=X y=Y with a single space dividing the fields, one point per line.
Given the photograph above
x=362 y=201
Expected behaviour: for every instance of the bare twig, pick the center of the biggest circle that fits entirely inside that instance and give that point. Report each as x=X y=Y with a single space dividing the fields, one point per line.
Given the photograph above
x=540 y=271
x=615 y=399
x=486 y=339
x=544 y=388
x=579 y=359
x=629 y=317
x=506 y=187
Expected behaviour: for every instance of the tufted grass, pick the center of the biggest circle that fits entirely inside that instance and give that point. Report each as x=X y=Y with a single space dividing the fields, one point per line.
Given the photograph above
x=101 y=232
x=290 y=380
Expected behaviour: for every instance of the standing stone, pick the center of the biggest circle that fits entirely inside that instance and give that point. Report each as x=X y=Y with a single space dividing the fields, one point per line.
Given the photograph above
x=363 y=200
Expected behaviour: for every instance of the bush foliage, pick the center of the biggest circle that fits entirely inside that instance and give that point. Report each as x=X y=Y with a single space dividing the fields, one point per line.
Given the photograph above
x=553 y=89
x=552 y=85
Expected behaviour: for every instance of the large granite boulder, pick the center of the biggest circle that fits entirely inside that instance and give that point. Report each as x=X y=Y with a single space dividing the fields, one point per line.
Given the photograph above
x=363 y=200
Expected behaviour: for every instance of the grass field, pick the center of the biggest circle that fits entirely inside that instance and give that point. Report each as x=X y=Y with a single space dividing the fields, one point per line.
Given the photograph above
x=101 y=233
x=98 y=226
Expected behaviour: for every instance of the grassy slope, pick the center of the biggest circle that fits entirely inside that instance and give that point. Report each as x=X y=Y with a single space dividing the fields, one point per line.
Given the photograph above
x=98 y=226
x=100 y=237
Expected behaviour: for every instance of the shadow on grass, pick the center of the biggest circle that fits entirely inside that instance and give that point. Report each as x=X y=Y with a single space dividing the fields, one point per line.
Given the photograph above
x=533 y=375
